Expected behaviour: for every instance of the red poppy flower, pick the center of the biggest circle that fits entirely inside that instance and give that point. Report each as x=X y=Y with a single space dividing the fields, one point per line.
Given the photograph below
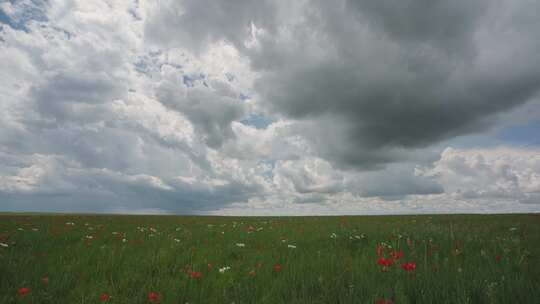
x=23 y=291
x=104 y=297
x=277 y=267
x=384 y=301
x=396 y=255
x=154 y=297
x=385 y=262
x=197 y=275
x=410 y=266
x=45 y=280
x=498 y=258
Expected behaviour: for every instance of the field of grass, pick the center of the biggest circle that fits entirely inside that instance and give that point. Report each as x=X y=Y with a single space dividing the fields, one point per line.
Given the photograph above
x=351 y=259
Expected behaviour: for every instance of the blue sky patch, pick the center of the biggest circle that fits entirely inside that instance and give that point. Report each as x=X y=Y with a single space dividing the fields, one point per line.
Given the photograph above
x=257 y=120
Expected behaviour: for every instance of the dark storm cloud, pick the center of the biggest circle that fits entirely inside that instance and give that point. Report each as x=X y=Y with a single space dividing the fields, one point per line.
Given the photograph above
x=403 y=83
x=195 y=23
x=393 y=74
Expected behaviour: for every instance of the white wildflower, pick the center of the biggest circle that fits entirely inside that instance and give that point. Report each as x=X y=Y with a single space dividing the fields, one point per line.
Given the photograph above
x=223 y=269
x=4 y=245
x=333 y=236
x=291 y=246
x=240 y=245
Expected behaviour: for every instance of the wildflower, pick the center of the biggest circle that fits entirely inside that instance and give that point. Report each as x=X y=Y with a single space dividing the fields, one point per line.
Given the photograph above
x=124 y=240
x=396 y=255
x=291 y=246
x=35 y=229
x=498 y=258
x=240 y=245
x=223 y=269
x=154 y=297
x=23 y=291
x=45 y=280
x=384 y=301
x=277 y=268
x=385 y=262
x=333 y=236
x=252 y=273
x=197 y=275
x=104 y=297
x=410 y=266
x=4 y=245
x=177 y=240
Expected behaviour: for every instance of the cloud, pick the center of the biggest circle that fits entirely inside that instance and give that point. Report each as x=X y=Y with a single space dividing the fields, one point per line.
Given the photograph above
x=500 y=173
x=210 y=112
x=394 y=76
x=196 y=24
x=274 y=107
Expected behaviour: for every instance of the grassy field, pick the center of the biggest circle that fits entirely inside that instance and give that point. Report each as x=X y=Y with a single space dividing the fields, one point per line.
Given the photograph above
x=356 y=259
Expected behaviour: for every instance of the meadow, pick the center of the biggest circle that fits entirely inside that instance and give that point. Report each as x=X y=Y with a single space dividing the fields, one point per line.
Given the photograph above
x=345 y=259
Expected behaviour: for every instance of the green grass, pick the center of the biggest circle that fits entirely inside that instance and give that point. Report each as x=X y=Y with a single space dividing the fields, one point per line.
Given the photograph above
x=459 y=258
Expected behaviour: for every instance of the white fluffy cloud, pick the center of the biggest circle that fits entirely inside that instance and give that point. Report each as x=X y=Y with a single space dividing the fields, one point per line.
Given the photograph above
x=499 y=173
x=199 y=107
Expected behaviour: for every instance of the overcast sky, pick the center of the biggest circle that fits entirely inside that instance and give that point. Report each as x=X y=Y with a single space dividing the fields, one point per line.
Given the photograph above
x=270 y=107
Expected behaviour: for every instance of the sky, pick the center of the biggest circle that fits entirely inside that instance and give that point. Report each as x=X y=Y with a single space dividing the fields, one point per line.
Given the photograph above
x=270 y=107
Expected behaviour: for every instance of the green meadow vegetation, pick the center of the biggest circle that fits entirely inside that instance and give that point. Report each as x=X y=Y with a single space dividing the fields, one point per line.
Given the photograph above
x=200 y=259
